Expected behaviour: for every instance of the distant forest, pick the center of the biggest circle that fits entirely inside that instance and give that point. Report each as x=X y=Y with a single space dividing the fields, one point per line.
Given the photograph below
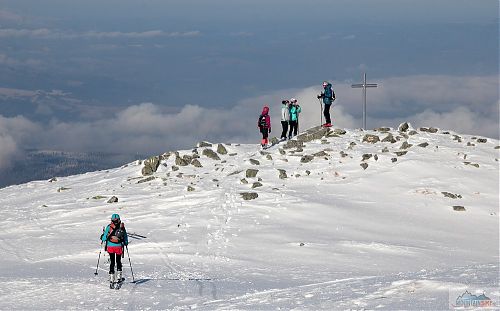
x=43 y=165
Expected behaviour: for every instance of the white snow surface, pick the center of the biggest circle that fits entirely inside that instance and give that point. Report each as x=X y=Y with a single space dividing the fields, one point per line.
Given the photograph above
x=330 y=236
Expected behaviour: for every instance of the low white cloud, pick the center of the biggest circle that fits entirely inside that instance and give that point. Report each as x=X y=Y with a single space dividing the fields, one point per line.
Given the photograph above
x=135 y=35
x=146 y=128
x=44 y=33
x=55 y=98
x=460 y=119
x=10 y=61
x=13 y=133
x=16 y=33
x=8 y=150
x=16 y=93
x=19 y=128
x=467 y=105
x=9 y=16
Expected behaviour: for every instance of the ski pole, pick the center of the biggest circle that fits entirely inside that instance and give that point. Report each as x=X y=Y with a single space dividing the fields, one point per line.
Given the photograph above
x=130 y=263
x=100 y=250
x=321 y=111
x=98 y=259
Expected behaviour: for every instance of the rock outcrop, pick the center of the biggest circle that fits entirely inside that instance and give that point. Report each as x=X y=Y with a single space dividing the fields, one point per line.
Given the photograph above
x=251 y=173
x=370 y=138
x=221 y=149
x=209 y=153
x=249 y=195
x=150 y=166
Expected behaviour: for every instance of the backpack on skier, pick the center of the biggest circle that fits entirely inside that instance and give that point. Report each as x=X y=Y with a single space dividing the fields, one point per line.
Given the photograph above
x=262 y=121
x=329 y=92
x=116 y=233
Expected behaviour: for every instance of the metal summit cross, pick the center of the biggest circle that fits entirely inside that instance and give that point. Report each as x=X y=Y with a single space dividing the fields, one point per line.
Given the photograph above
x=364 y=85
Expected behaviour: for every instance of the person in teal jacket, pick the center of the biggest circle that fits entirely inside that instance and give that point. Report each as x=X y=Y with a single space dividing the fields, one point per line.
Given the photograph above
x=115 y=237
x=328 y=96
x=294 y=117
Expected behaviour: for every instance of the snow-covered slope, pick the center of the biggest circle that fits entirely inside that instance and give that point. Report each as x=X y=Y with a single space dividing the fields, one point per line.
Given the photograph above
x=331 y=235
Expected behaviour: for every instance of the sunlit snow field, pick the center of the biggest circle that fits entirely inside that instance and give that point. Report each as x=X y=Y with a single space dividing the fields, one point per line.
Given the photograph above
x=331 y=235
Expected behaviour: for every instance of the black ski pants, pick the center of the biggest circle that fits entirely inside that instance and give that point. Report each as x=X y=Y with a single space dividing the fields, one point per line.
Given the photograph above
x=265 y=132
x=293 y=129
x=115 y=257
x=326 y=113
x=284 y=126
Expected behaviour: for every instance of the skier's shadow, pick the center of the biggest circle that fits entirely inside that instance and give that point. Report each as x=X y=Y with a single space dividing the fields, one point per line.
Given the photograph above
x=200 y=282
x=141 y=281
x=202 y=286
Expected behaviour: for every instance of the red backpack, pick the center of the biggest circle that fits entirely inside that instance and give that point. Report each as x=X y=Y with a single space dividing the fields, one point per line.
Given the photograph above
x=116 y=234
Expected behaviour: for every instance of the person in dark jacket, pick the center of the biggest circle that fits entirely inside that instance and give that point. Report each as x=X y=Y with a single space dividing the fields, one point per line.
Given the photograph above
x=264 y=125
x=328 y=97
x=115 y=237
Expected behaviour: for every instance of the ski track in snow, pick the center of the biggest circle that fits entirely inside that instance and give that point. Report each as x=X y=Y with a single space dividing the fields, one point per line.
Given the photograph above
x=330 y=236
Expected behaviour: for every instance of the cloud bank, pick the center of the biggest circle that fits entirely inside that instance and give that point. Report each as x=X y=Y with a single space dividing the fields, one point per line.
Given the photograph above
x=464 y=104
x=467 y=105
x=7 y=151
x=8 y=16
x=14 y=132
x=44 y=33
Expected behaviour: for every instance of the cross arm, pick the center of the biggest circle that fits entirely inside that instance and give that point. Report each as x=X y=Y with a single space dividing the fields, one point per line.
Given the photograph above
x=364 y=85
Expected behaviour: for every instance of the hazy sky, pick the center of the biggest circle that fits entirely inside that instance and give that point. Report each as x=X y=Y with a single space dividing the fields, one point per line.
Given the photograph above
x=155 y=75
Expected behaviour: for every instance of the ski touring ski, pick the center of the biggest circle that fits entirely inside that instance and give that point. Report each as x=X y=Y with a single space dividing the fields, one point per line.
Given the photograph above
x=117 y=284
x=136 y=236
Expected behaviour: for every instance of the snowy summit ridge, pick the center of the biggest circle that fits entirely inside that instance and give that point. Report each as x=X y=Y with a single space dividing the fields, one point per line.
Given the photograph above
x=332 y=219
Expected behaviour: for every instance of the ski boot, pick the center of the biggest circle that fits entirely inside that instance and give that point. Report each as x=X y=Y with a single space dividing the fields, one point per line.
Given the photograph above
x=111 y=280
x=118 y=279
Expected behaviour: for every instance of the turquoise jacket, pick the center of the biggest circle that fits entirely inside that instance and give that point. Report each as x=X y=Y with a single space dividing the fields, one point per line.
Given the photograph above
x=328 y=95
x=294 y=112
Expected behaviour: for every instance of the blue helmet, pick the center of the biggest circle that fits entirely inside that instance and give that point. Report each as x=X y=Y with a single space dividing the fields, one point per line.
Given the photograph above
x=115 y=217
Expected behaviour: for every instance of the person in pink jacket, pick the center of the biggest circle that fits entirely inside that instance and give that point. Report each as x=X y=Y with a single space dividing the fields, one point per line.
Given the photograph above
x=264 y=125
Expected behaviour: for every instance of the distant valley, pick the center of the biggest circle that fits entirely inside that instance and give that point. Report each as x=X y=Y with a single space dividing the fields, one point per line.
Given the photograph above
x=45 y=164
